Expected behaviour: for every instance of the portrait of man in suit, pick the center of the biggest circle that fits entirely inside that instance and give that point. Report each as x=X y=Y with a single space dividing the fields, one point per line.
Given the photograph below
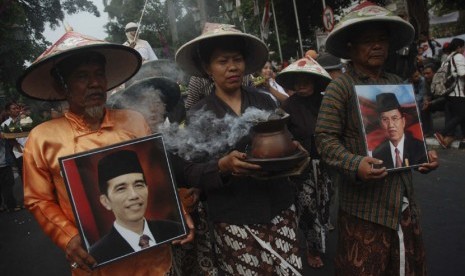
x=124 y=192
x=400 y=149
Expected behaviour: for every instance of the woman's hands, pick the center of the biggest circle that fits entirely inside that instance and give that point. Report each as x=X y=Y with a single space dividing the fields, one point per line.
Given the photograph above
x=190 y=224
x=235 y=164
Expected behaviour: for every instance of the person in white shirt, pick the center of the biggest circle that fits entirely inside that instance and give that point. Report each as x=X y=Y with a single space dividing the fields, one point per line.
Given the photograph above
x=456 y=99
x=14 y=112
x=270 y=86
x=140 y=45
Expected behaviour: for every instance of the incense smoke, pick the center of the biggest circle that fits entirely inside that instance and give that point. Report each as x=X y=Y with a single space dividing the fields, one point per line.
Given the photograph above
x=207 y=134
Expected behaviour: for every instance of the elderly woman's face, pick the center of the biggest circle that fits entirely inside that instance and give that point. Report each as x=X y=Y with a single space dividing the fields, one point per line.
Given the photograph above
x=369 y=48
x=226 y=69
x=304 y=86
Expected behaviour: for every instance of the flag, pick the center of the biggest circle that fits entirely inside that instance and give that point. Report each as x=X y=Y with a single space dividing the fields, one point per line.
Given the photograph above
x=265 y=25
x=256 y=9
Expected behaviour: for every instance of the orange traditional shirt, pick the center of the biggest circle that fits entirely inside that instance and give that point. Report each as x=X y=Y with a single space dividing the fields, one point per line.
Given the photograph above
x=45 y=193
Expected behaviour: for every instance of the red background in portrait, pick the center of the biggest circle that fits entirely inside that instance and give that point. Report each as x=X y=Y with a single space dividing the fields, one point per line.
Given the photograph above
x=82 y=180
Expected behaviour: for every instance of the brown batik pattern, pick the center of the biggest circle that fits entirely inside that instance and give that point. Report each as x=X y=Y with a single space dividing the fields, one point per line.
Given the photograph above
x=196 y=258
x=367 y=248
x=240 y=254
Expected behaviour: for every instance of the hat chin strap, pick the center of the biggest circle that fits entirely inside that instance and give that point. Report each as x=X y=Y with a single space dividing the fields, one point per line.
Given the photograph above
x=61 y=80
x=130 y=37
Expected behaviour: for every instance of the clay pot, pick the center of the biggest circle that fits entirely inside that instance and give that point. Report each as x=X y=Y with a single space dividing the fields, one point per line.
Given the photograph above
x=271 y=138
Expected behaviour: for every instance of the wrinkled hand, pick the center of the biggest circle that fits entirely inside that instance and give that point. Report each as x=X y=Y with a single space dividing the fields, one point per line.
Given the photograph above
x=367 y=172
x=433 y=162
x=75 y=253
x=189 y=198
x=234 y=163
x=190 y=224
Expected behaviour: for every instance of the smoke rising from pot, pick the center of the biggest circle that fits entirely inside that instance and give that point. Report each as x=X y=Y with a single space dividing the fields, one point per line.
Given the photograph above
x=208 y=135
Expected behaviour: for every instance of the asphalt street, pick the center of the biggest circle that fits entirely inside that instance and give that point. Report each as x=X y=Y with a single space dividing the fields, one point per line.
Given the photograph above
x=25 y=250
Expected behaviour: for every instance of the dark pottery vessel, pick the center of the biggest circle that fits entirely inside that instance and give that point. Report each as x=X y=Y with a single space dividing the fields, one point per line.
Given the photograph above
x=271 y=138
x=279 y=164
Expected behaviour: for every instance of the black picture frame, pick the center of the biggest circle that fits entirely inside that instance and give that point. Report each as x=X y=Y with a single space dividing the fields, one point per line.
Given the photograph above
x=96 y=223
x=377 y=105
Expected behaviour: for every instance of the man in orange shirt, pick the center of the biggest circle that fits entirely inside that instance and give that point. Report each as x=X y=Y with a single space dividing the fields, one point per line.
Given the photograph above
x=80 y=70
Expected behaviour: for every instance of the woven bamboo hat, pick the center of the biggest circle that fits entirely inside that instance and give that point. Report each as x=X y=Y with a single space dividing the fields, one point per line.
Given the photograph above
x=307 y=66
x=401 y=32
x=37 y=82
x=188 y=59
x=134 y=94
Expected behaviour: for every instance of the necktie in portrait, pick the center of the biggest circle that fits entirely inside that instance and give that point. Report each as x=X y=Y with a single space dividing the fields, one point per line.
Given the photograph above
x=144 y=241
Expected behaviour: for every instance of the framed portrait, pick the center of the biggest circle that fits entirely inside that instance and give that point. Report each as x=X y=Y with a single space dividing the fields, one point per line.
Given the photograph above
x=124 y=198
x=391 y=125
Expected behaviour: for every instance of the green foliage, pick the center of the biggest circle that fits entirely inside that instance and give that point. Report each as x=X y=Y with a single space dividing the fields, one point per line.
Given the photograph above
x=446 y=6
x=22 y=24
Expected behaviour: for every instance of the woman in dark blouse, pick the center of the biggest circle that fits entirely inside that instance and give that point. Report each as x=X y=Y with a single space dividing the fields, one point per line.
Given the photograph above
x=254 y=221
x=308 y=79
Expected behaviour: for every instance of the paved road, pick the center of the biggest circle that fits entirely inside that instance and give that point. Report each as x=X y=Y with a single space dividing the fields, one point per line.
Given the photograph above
x=25 y=250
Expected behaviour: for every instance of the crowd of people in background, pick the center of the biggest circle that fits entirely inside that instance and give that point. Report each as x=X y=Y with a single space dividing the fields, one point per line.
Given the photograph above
x=289 y=206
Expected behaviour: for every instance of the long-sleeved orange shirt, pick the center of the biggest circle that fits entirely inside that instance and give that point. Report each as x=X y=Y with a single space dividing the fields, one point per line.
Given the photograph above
x=45 y=193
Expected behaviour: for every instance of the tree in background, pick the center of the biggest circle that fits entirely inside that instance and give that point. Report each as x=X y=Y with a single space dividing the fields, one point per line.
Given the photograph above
x=22 y=24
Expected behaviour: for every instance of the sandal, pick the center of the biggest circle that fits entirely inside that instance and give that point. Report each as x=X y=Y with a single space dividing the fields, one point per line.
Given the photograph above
x=314 y=261
x=440 y=140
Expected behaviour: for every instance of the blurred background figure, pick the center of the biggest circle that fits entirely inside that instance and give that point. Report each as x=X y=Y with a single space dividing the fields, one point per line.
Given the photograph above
x=431 y=47
x=132 y=31
x=331 y=64
x=308 y=79
x=266 y=83
x=421 y=97
x=13 y=110
x=456 y=99
x=155 y=98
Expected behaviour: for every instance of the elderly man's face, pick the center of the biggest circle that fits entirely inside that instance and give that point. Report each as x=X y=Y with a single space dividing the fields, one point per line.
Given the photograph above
x=87 y=86
x=369 y=49
x=393 y=123
x=428 y=73
x=127 y=198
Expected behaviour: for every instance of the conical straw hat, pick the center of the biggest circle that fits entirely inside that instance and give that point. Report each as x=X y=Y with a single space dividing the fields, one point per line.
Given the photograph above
x=122 y=62
x=308 y=66
x=187 y=55
x=401 y=32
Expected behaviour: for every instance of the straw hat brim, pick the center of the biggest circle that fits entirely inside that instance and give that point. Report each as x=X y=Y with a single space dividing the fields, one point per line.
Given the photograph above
x=157 y=68
x=169 y=89
x=187 y=55
x=122 y=63
x=401 y=34
x=289 y=78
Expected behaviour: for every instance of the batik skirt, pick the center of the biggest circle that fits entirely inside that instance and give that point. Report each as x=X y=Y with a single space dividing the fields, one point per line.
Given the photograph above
x=259 y=249
x=313 y=202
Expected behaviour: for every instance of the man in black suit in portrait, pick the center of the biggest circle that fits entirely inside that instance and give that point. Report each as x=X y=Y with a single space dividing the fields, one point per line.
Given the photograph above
x=400 y=149
x=124 y=192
